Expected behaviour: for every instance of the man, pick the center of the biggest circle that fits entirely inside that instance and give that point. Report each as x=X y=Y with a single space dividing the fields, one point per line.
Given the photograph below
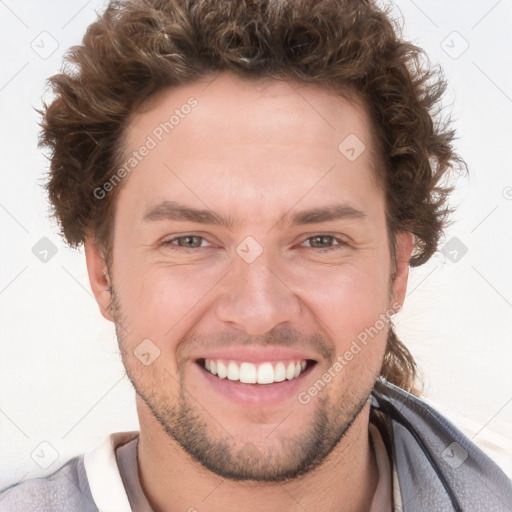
x=252 y=181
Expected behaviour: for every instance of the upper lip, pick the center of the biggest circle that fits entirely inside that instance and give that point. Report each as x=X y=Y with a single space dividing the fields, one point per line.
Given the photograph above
x=256 y=355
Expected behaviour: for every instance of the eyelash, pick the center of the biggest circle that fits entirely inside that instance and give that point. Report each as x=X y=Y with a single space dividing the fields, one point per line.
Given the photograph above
x=340 y=243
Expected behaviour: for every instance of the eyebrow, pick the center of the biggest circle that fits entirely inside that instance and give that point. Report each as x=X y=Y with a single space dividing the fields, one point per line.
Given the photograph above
x=171 y=210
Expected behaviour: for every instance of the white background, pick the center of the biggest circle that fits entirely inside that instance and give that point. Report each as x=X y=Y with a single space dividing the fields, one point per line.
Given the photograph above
x=62 y=382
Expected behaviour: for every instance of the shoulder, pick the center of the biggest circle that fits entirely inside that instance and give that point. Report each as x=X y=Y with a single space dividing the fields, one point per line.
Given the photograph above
x=438 y=467
x=65 y=490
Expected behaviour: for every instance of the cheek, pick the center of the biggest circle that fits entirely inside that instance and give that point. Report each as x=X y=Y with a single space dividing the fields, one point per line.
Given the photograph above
x=350 y=302
x=357 y=315
x=159 y=300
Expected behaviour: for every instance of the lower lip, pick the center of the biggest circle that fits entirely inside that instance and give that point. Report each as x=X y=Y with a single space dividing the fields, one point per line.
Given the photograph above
x=255 y=394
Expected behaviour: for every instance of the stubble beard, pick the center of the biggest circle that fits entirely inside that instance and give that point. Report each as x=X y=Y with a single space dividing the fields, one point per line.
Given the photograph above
x=201 y=437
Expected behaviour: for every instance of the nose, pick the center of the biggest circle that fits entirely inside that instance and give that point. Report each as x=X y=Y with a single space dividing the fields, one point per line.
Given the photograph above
x=256 y=297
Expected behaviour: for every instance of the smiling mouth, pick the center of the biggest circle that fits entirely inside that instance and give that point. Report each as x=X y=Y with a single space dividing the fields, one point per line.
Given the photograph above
x=268 y=372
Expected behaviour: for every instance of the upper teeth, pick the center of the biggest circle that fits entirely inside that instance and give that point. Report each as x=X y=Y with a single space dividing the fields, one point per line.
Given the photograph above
x=249 y=373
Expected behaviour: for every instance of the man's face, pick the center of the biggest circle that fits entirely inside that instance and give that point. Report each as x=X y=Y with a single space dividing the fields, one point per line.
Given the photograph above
x=296 y=271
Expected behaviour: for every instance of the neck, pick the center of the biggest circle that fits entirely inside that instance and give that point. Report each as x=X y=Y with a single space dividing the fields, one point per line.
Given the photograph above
x=173 y=481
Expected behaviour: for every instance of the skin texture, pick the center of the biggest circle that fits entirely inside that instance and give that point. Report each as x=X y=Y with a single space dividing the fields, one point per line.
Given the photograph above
x=256 y=153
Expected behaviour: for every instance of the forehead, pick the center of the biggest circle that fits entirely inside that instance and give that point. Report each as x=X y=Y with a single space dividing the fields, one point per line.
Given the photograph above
x=229 y=136
x=254 y=111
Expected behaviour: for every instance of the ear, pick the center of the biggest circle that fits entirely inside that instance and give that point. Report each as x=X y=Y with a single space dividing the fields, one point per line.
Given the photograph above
x=98 y=277
x=404 y=246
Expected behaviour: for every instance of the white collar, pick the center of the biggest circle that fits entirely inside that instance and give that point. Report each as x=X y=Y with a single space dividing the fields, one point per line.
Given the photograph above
x=102 y=471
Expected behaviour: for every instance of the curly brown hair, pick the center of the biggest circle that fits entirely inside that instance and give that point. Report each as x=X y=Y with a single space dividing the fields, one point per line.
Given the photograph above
x=138 y=47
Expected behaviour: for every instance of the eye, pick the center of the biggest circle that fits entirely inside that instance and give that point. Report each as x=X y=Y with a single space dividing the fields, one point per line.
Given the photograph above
x=324 y=242
x=186 y=241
